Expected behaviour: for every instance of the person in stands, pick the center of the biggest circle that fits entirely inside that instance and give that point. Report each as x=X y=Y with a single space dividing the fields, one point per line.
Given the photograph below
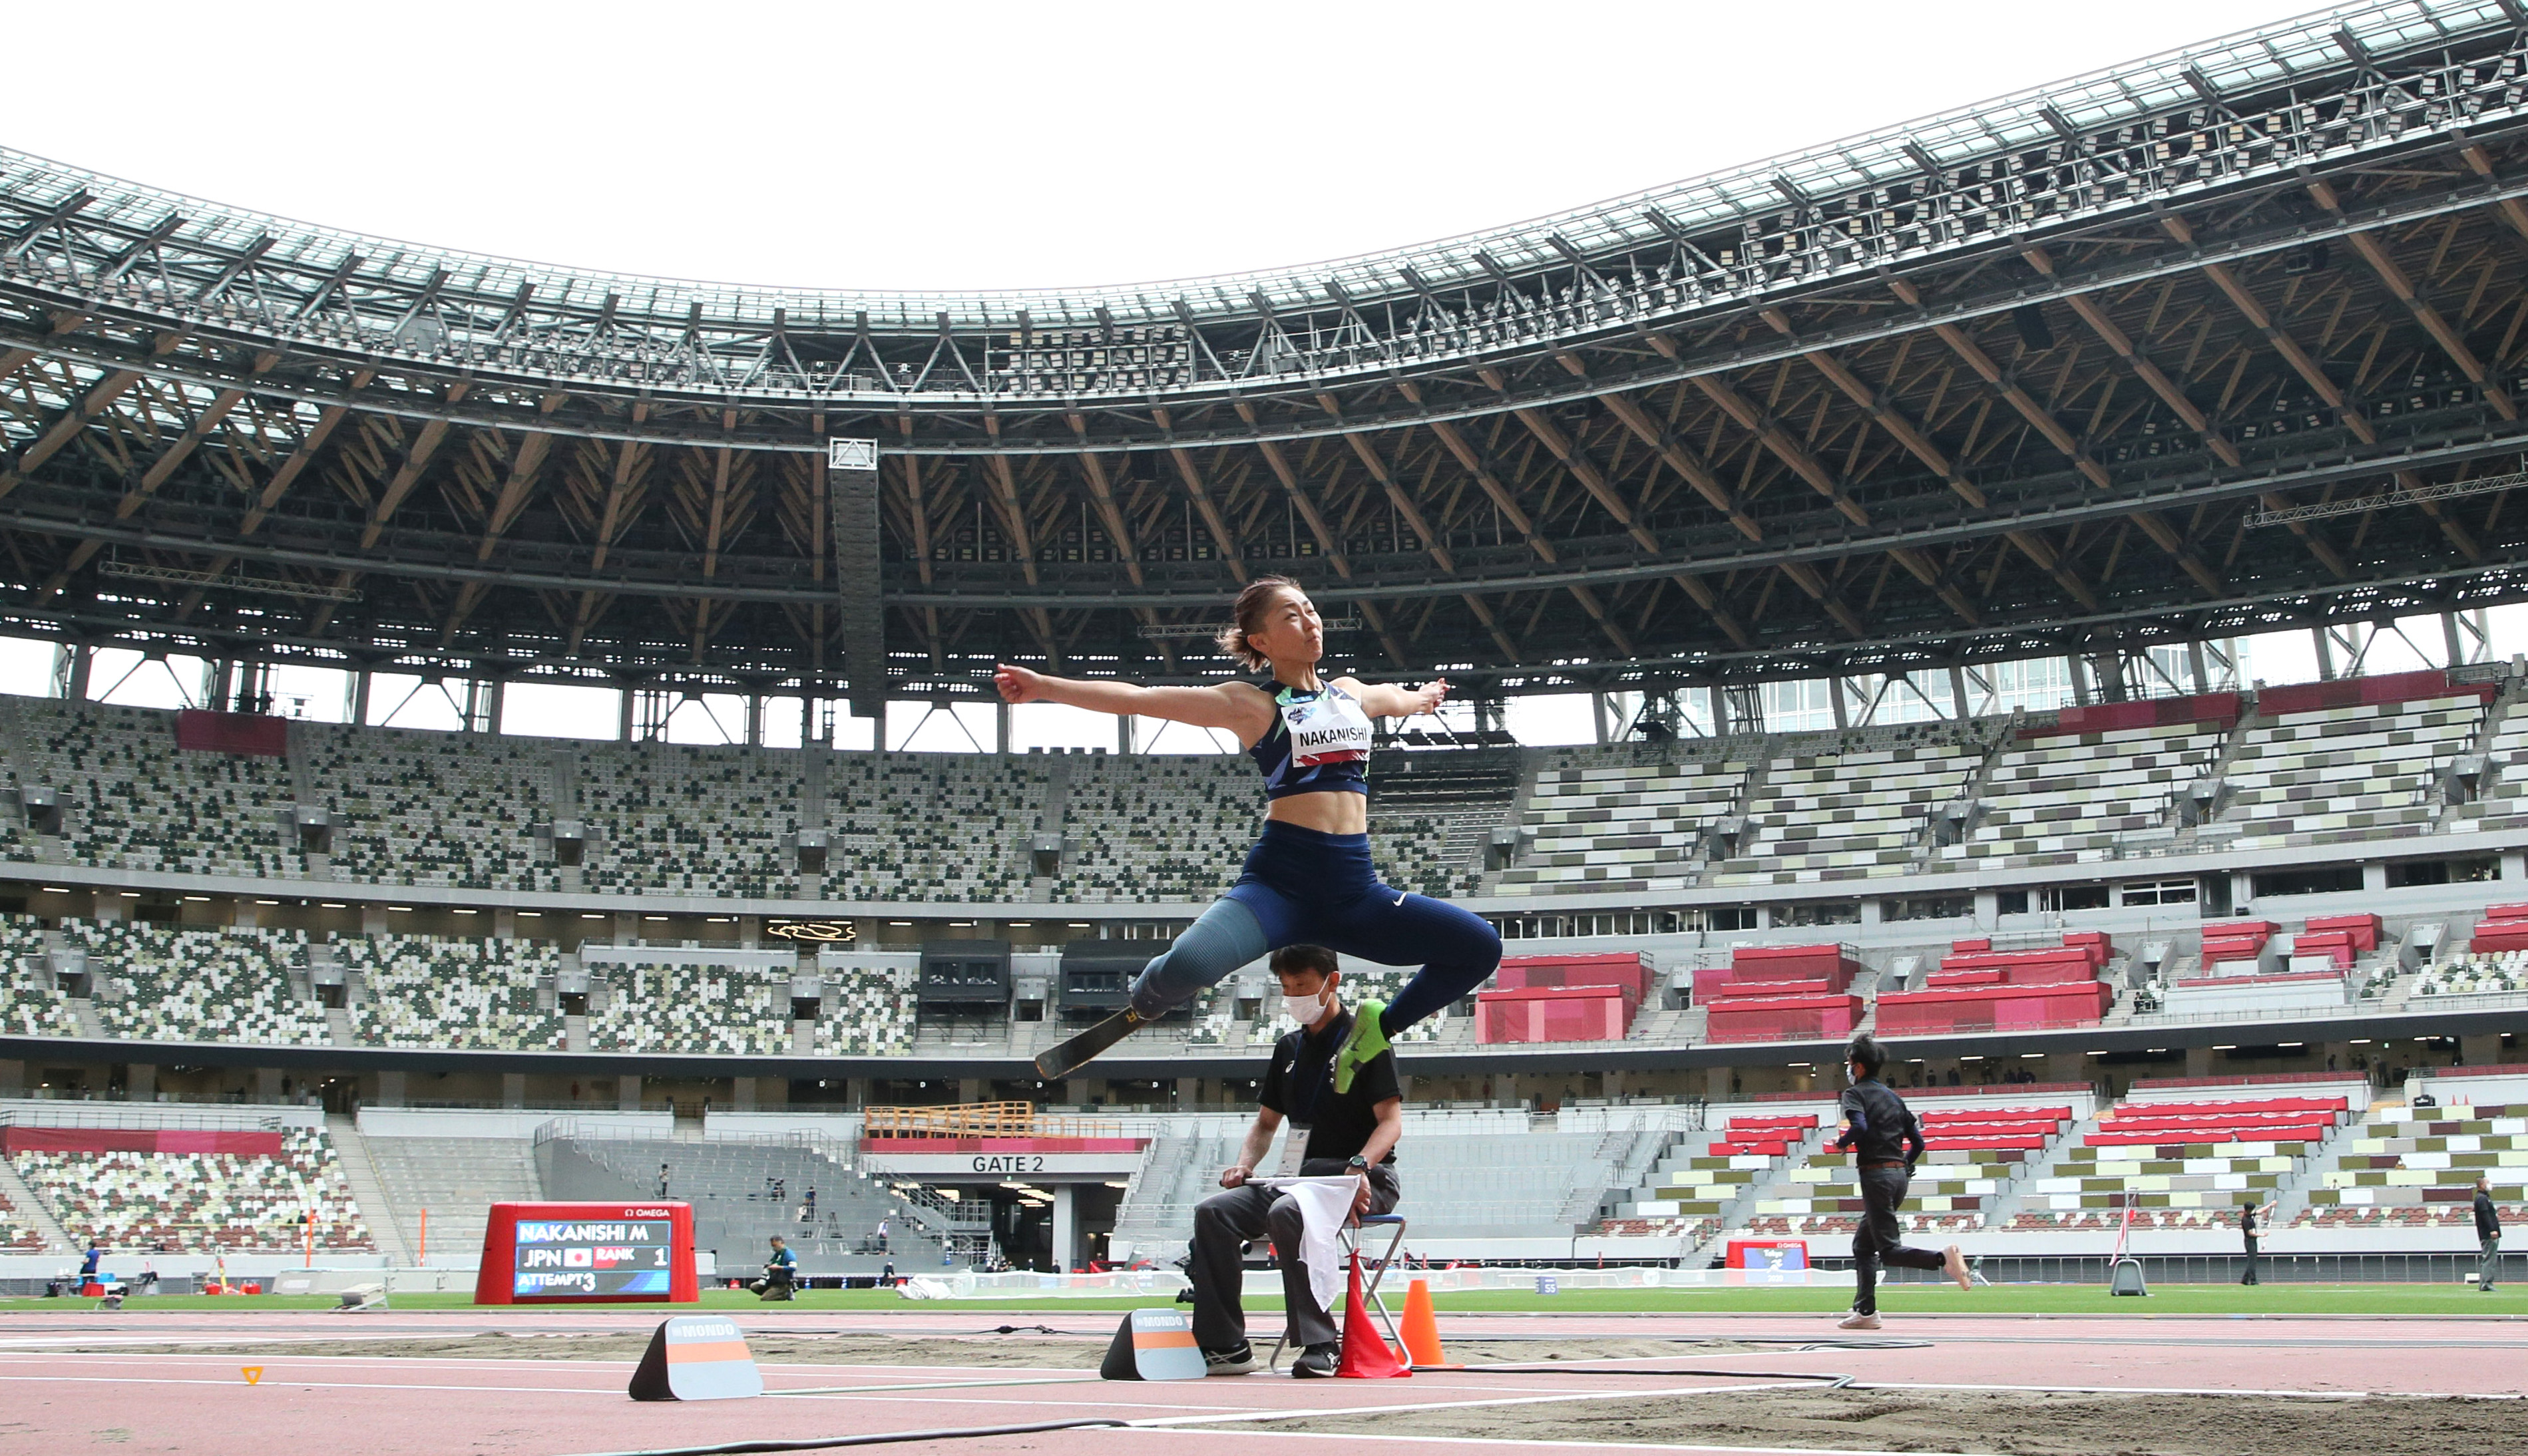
x=1885 y=1141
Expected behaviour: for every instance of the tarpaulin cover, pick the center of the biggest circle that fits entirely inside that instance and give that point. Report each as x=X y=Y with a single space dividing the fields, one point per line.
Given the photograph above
x=2220 y=708
x=245 y=1143
x=233 y=733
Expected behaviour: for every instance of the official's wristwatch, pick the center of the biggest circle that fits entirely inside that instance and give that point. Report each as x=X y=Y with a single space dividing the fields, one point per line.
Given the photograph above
x=1357 y=1163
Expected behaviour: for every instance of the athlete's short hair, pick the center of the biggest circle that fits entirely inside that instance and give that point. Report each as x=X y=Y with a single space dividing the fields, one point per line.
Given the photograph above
x=1867 y=1050
x=1305 y=957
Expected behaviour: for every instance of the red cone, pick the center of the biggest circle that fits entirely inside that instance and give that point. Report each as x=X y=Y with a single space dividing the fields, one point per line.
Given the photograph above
x=1365 y=1352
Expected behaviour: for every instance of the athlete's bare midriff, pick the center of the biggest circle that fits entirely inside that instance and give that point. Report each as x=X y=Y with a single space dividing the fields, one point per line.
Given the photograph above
x=1335 y=811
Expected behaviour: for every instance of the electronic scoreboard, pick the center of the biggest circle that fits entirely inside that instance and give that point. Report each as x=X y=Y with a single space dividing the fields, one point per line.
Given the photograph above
x=567 y=1253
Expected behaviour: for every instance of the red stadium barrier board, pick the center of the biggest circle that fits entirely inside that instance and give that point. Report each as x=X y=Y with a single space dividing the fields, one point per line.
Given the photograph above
x=588 y=1253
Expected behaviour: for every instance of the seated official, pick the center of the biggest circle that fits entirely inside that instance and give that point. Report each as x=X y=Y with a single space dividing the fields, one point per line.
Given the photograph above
x=1352 y=1132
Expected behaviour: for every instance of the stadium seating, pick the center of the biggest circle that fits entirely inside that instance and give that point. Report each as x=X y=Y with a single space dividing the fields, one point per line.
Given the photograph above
x=2361 y=769
x=1702 y=1183
x=691 y=821
x=1834 y=816
x=421 y=991
x=1143 y=829
x=2418 y=1165
x=1602 y=822
x=434 y=809
x=17 y=1235
x=1970 y=1154
x=2476 y=973
x=930 y=826
x=131 y=800
x=2056 y=798
x=661 y=1006
x=144 y=1199
x=26 y=1010
x=2180 y=1164
x=1986 y=990
x=870 y=1013
x=194 y=983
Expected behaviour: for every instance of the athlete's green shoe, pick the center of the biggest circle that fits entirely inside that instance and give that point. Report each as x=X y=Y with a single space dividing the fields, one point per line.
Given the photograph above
x=1368 y=1038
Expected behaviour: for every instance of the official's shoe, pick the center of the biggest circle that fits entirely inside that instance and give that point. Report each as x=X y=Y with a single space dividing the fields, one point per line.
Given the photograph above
x=1368 y=1038
x=1857 y=1320
x=1953 y=1265
x=1235 y=1362
x=1317 y=1362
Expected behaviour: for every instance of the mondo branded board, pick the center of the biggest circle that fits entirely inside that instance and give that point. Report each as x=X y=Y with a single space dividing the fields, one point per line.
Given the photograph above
x=581 y=1253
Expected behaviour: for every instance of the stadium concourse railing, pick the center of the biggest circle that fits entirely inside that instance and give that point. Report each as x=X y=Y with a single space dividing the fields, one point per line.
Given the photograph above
x=981 y=1120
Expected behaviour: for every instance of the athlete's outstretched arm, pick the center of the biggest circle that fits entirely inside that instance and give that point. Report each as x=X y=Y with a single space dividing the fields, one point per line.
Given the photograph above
x=1218 y=706
x=1394 y=700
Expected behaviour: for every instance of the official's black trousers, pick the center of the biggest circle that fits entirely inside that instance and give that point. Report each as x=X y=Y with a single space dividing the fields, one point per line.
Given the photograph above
x=1879 y=1240
x=2250 y=1277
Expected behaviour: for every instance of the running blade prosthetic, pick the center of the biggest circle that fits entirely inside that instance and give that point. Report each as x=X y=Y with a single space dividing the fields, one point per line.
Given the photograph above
x=1070 y=1055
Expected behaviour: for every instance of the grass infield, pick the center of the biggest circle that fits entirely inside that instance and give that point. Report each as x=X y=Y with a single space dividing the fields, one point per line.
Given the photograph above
x=2165 y=1301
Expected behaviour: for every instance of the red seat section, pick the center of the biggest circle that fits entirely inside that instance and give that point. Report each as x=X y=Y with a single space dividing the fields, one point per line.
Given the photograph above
x=2275 y=1120
x=1994 y=1008
x=1993 y=1129
x=1761 y=1017
x=2504 y=927
x=1763 y=1135
x=1555 y=1013
x=1834 y=965
x=1630 y=971
x=1563 y=998
x=2363 y=930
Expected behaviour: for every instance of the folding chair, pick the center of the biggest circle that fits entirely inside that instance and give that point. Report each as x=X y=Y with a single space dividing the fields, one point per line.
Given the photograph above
x=1373 y=1272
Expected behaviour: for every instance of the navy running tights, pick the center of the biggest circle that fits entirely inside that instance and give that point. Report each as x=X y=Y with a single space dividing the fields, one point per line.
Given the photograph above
x=1302 y=887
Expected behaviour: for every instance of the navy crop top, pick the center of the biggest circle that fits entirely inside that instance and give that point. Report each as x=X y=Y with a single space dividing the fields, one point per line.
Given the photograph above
x=1319 y=742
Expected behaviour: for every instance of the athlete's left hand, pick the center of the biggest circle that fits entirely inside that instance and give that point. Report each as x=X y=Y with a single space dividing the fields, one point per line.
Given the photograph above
x=1428 y=697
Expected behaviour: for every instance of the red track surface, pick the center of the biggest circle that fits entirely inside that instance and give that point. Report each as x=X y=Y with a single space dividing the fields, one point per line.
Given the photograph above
x=201 y=1405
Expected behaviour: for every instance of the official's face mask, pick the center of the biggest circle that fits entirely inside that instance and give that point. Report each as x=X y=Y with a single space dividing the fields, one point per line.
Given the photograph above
x=1305 y=1009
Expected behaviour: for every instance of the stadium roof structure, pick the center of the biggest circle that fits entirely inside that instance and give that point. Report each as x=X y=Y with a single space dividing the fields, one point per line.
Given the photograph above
x=2217 y=343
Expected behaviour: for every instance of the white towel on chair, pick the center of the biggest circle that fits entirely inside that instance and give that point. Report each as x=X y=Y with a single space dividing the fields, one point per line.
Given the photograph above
x=1324 y=1207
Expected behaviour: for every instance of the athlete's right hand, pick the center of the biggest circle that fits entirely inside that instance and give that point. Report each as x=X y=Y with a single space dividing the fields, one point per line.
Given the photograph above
x=1017 y=684
x=1234 y=1176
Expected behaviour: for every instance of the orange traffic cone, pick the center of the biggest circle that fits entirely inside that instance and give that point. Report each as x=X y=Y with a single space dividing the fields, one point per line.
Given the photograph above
x=1422 y=1330
x=1365 y=1354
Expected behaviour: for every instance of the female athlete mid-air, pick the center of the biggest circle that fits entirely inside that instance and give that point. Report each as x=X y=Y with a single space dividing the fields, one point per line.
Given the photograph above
x=1308 y=879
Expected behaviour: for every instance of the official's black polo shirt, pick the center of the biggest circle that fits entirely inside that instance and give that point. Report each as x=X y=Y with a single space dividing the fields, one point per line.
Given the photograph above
x=1300 y=1086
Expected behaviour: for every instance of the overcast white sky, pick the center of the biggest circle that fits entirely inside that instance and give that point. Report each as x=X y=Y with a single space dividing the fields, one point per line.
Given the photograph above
x=993 y=145
x=990 y=144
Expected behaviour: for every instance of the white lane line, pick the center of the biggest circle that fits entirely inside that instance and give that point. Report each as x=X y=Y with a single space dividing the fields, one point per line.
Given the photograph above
x=271 y=1378
x=1468 y=1405
x=1577 y=1445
